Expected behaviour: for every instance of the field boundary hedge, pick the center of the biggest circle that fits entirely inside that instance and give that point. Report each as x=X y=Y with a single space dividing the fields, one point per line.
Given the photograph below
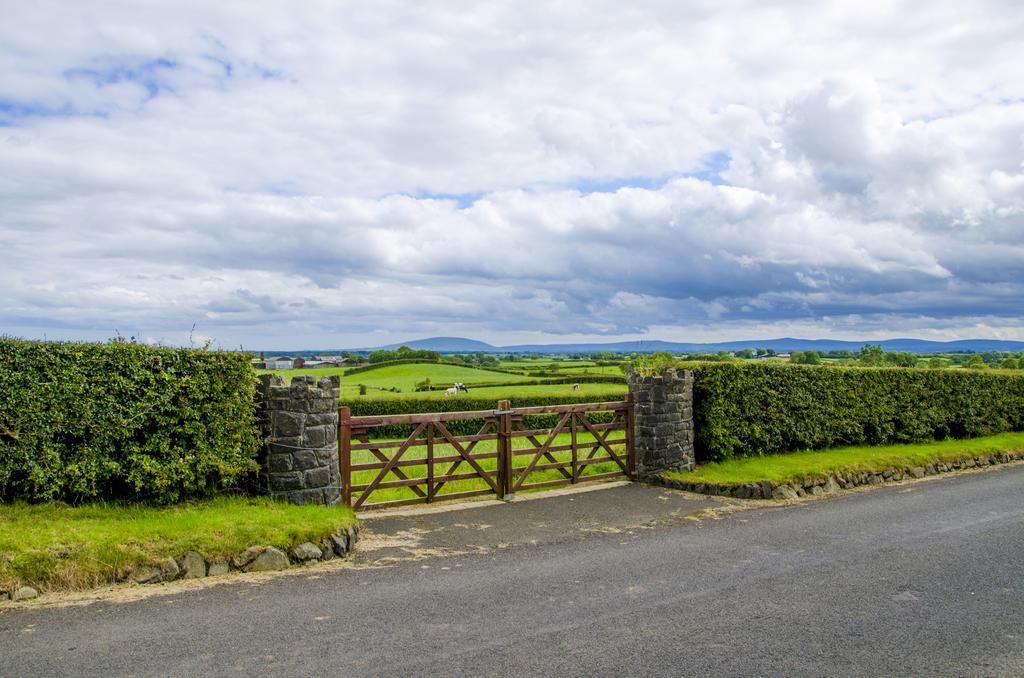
x=750 y=410
x=373 y=366
x=411 y=361
x=123 y=421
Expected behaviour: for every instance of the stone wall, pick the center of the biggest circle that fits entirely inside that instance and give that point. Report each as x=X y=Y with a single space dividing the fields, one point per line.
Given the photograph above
x=300 y=438
x=664 y=422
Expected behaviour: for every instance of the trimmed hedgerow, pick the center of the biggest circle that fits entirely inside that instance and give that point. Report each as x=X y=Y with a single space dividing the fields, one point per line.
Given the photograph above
x=432 y=361
x=370 y=407
x=123 y=420
x=755 y=409
x=387 y=363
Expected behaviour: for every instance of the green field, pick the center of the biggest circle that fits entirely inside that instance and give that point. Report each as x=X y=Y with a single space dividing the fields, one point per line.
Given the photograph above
x=399 y=381
x=405 y=377
x=595 y=370
x=540 y=363
x=495 y=393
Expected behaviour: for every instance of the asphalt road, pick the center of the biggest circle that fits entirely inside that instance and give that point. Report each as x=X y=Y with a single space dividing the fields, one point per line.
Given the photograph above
x=922 y=579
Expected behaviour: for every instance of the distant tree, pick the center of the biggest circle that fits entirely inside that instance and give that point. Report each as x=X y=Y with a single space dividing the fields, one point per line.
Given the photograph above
x=746 y=353
x=655 y=362
x=805 y=358
x=936 y=363
x=362 y=389
x=1010 y=363
x=900 y=359
x=871 y=356
x=976 y=362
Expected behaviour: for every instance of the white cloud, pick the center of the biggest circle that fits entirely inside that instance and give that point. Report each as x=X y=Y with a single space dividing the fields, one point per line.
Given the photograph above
x=335 y=174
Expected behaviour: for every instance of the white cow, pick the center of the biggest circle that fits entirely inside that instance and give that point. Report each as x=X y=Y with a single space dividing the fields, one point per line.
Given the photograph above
x=455 y=389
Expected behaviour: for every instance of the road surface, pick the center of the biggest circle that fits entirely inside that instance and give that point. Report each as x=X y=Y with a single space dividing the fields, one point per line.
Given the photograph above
x=918 y=579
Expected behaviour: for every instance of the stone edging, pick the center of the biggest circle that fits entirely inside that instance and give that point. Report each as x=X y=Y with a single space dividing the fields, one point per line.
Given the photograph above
x=253 y=559
x=765 y=489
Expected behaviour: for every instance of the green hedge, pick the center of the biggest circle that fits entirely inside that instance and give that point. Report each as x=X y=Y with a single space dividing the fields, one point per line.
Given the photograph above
x=560 y=378
x=754 y=409
x=430 y=361
x=387 y=363
x=123 y=421
x=370 y=407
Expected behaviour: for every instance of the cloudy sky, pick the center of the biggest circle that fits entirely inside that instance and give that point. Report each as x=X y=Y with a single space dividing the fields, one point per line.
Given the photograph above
x=328 y=174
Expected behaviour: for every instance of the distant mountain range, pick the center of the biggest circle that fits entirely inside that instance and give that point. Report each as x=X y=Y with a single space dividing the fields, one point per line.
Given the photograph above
x=446 y=345
x=462 y=345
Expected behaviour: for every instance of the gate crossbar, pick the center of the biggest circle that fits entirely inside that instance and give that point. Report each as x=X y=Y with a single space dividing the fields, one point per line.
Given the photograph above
x=413 y=465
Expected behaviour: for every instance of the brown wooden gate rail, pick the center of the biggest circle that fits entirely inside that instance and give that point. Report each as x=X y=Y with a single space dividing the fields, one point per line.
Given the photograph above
x=589 y=443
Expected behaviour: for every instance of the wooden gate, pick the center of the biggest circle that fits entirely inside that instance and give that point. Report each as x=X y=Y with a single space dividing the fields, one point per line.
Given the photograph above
x=499 y=453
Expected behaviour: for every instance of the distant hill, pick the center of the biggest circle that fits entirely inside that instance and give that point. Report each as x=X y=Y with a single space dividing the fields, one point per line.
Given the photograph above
x=446 y=345
x=780 y=345
x=463 y=345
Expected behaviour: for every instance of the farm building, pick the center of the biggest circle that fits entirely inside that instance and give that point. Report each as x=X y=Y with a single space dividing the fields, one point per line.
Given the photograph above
x=280 y=363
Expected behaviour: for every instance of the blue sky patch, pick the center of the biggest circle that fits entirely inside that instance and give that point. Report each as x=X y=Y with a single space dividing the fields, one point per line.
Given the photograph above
x=463 y=200
x=711 y=168
x=150 y=74
x=12 y=112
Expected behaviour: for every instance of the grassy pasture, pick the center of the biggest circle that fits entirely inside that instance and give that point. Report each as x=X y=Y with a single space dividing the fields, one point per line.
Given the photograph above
x=600 y=391
x=601 y=370
x=405 y=377
x=530 y=363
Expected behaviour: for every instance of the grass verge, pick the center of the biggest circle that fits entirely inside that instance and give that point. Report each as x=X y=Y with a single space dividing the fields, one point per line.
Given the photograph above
x=801 y=466
x=58 y=547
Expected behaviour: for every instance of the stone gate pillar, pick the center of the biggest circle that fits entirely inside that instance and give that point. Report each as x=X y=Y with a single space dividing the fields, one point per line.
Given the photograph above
x=664 y=421
x=300 y=438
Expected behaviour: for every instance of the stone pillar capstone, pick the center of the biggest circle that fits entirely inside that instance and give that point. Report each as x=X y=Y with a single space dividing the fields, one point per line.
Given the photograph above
x=664 y=421
x=300 y=438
